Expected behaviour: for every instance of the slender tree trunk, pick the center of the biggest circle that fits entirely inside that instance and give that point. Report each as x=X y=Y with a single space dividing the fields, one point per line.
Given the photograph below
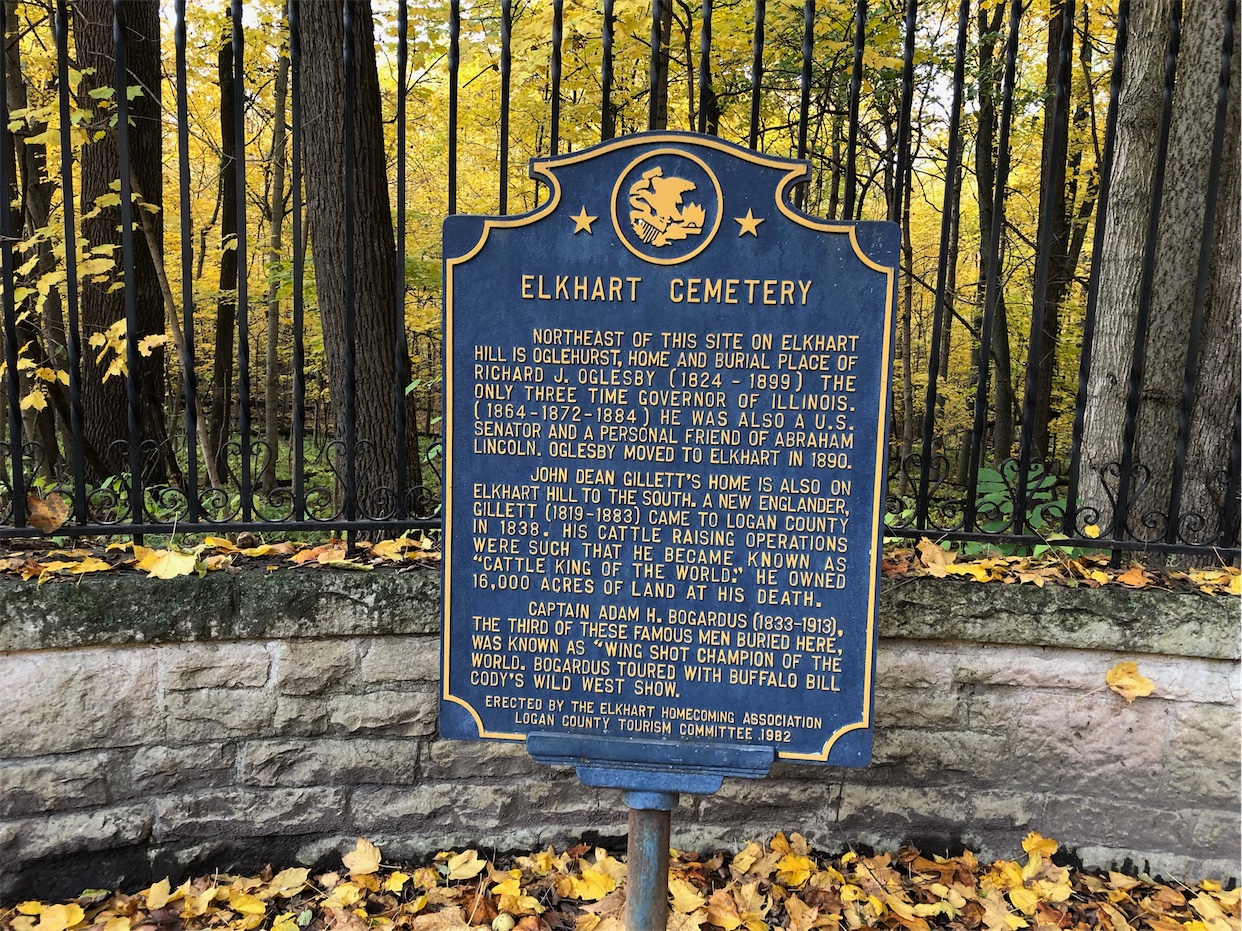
x=104 y=402
x=661 y=88
x=36 y=199
x=275 y=249
x=985 y=178
x=1004 y=427
x=834 y=185
x=226 y=302
x=178 y=335
x=950 y=302
x=907 y=363
x=1185 y=197
x=1054 y=224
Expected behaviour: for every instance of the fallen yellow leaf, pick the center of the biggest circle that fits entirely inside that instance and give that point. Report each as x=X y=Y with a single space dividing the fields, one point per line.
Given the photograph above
x=167 y=564
x=157 y=895
x=288 y=882
x=935 y=558
x=1125 y=680
x=686 y=897
x=363 y=859
x=1036 y=843
x=246 y=904
x=59 y=917
x=1135 y=577
x=465 y=865
x=90 y=564
x=396 y=881
x=46 y=514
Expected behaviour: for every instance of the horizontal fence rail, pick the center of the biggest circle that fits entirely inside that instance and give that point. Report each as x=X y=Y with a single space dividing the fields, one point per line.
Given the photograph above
x=220 y=266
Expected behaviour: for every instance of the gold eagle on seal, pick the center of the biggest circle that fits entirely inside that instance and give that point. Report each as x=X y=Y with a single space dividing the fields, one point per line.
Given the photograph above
x=658 y=217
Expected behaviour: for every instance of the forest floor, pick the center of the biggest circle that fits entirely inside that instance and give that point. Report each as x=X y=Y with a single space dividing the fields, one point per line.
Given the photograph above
x=781 y=885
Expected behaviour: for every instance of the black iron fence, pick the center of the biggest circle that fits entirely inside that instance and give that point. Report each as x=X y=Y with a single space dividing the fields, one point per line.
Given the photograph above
x=220 y=262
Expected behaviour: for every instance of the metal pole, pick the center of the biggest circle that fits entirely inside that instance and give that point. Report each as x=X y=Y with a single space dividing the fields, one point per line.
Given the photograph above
x=646 y=885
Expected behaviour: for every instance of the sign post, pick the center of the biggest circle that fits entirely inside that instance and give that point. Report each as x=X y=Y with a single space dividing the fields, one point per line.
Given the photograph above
x=666 y=406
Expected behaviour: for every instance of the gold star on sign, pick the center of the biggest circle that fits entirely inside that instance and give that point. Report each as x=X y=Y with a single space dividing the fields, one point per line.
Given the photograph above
x=582 y=222
x=750 y=224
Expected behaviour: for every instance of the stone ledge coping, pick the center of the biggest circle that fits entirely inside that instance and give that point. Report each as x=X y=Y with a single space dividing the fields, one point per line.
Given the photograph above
x=128 y=608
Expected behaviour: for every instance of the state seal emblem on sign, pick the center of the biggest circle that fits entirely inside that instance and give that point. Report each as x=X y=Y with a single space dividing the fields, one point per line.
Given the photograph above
x=666 y=206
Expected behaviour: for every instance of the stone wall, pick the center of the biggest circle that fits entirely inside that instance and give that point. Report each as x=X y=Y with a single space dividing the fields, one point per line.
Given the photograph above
x=149 y=728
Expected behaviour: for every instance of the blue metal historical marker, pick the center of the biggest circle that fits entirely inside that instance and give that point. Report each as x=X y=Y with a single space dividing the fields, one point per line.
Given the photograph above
x=666 y=403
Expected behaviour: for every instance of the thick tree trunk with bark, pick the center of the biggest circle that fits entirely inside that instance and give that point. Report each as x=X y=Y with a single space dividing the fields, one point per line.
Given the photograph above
x=374 y=298
x=1176 y=263
x=104 y=402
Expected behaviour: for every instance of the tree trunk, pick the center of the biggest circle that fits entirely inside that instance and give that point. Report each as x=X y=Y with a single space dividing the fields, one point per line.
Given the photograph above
x=226 y=302
x=662 y=66
x=36 y=199
x=271 y=393
x=907 y=363
x=374 y=298
x=1002 y=385
x=104 y=402
x=1176 y=263
x=1054 y=223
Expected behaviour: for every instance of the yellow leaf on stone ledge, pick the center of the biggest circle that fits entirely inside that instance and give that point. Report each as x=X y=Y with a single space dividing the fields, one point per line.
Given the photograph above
x=1125 y=680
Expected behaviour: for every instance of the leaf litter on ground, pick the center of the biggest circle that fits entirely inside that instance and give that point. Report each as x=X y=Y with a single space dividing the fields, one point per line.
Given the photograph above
x=27 y=560
x=781 y=885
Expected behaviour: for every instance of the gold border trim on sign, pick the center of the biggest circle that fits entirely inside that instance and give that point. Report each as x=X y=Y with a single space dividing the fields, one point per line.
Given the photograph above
x=546 y=169
x=616 y=190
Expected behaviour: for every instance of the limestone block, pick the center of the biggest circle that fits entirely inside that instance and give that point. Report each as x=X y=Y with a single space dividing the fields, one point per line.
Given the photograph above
x=236 y=812
x=63 y=701
x=160 y=769
x=409 y=714
x=1189 y=679
x=311 y=667
x=432 y=806
x=400 y=659
x=212 y=714
x=937 y=807
x=214 y=665
x=934 y=756
x=1216 y=830
x=483 y=759
x=296 y=716
x=1170 y=867
x=359 y=760
x=768 y=803
x=1202 y=763
x=914 y=664
x=74 y=832
x=919 y=707
x=54 y=784
x=558 y=796
x=1118 y=821
x=1076 y=744
x=1023 y=811
x=1108 y=618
